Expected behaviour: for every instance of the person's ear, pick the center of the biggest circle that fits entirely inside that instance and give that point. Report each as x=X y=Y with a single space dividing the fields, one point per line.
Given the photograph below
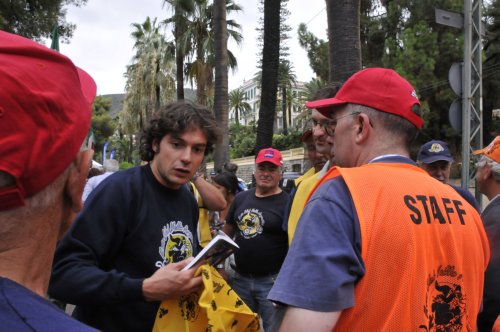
x=155 y=146
x=486 y=173
x=77 y=178
x=362 y=127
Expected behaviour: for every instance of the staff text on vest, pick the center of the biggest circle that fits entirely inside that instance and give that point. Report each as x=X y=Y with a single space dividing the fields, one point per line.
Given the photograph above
x=427 y=207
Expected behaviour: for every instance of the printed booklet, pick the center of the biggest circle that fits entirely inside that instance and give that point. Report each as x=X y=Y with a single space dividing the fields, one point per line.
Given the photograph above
x=215 y=251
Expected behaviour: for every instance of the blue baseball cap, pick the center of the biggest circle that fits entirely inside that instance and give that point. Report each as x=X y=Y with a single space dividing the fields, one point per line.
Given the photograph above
x=433 y=151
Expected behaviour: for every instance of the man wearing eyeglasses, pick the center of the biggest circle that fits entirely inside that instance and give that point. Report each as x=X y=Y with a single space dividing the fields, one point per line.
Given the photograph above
x=255 y=219
x=391 y=248
x=488 y=180
x=323 y=145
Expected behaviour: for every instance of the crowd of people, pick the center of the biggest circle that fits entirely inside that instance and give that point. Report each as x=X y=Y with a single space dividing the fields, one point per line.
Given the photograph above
x=367 y=240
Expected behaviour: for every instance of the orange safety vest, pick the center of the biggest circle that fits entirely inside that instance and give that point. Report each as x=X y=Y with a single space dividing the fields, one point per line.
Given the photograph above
x=424 y=249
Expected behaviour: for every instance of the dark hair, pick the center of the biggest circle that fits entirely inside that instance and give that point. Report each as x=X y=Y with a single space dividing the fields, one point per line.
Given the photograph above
x=94 y=172
x=328 y=91
x=175 y=119
x=228 y=180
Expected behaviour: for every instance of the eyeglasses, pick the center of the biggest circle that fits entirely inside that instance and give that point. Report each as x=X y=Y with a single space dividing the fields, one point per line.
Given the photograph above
x=330 y=125
x=322 y=124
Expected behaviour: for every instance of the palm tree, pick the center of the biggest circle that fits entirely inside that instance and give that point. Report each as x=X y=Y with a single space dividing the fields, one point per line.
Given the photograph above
x=238 y=103
x=286 y=79
x=343 y=39
x=181 y=10
x=221 y=105
x=311 y=87
x=199 y=34
x=150 y=78
x=270 y=63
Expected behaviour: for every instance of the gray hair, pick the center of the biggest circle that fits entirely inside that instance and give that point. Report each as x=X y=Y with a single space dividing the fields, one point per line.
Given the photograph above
x=394 y=124
x=495 y=167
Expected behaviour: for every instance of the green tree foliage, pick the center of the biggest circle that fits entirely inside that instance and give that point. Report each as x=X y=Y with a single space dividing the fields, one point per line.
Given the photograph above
x=35 y=19
x=286 y=80
x=199 y=38
x=125 y=165
x=102 y=123
x=372 y=36
x=238 y=104
x=403 y=35
x=150 y=78
x=317 y=51
x=422 y=51
x=241 y=140
x=287 y=142
x=179 y=20
x=126 y=148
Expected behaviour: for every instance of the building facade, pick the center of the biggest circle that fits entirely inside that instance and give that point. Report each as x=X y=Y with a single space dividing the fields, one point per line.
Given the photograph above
x=252 y=92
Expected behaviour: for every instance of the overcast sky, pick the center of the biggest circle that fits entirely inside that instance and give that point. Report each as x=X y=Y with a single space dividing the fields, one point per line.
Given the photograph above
x=102 y=44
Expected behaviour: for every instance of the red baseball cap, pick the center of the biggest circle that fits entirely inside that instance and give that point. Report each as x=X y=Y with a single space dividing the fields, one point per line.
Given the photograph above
x=269 y=155
x=45 y=112
x=379 y=88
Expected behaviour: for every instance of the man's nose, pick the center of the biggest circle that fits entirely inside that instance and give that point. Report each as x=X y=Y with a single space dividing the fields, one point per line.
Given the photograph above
x=186 y=155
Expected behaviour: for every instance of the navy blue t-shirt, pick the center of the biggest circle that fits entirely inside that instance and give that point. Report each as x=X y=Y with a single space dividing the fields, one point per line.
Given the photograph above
x=257 y=222
x=131 y=225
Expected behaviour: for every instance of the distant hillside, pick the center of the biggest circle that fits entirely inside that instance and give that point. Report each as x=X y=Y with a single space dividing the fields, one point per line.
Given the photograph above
x=118 y=98
x=116 y=103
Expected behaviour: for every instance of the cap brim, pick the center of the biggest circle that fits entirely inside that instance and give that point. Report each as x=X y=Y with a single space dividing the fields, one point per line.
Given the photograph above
x=478 y=152
x=325 y=106
x=276 y=163
x=89 y=88
x=432 y=159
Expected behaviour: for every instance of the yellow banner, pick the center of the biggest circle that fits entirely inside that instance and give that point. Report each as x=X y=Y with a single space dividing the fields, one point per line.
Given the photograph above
x=218 y=308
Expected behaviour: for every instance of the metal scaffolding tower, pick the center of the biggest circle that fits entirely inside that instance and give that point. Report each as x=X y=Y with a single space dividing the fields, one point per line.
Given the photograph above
x=472 y=103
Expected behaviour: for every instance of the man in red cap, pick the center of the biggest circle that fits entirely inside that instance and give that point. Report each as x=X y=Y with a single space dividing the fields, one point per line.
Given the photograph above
x=255 y=219
x=392 y=249
x=488 y=181
x=45 y=111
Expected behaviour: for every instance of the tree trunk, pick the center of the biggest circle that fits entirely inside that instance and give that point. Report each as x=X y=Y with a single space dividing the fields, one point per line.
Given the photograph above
x=270 y=63
x=237 y=116
x=157 y=91
x=221 y=95
x=283 y=110
x=179 y=75
x=343 y=39
x=179 y=54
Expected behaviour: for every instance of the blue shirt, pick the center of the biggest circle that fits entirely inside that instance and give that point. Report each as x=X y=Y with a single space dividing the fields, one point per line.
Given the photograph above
x=23 y=310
